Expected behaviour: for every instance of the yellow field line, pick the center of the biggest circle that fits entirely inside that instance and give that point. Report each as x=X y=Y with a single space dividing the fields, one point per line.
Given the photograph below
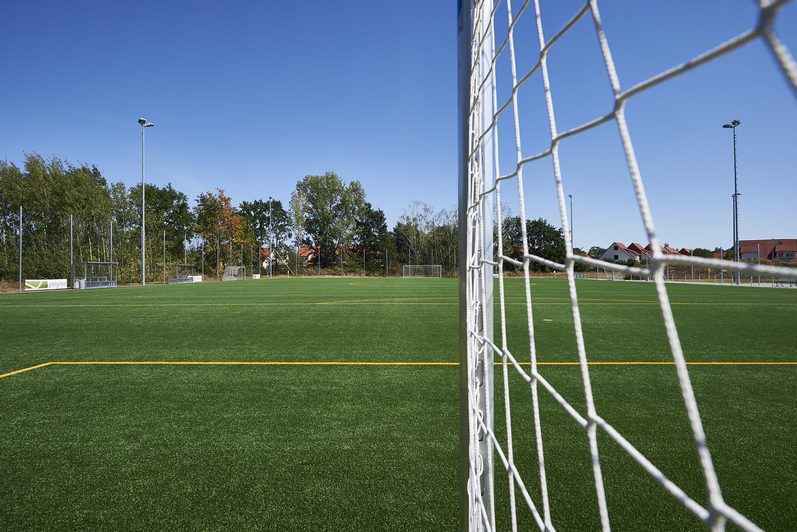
x=23 y=370
x=366 y=363
x=245 y=363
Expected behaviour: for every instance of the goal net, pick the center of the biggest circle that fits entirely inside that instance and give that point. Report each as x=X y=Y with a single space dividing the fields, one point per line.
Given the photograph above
x=234 y=273
x=422 y=270
x=183 y=274
x=486 y=35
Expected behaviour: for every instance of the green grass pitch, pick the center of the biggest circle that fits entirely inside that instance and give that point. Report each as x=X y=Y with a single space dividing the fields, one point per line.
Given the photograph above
x=374 y=446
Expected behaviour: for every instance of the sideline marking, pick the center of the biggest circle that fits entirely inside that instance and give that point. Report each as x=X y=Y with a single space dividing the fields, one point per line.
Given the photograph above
x=356 y=363
x=23 y=370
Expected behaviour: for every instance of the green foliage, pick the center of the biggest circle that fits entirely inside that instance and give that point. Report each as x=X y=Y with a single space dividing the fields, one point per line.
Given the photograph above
x=701 y=252
x=267 y=219
x=425 y=236
x=544 y=240
x=596 y=251
x=329 y=209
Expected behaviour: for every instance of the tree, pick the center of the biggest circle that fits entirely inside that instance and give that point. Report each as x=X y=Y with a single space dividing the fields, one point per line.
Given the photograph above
x=544 y=240
x=266 y=218
x=219 y=225
x=329 y=209
x=595 y=252
x=371 y=237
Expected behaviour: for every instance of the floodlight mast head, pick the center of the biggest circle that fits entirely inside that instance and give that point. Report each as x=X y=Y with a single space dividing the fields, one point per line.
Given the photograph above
x=145 y=123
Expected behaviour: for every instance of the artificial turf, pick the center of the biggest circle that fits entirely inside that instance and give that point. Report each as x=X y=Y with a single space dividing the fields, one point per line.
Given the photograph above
x=345 y=447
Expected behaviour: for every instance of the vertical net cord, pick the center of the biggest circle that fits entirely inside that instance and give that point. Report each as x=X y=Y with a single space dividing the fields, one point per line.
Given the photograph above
x=582 y=355
x=690 y=403
x=504 y=346
x=475 y=347
x=485 y=276
x=526 y=280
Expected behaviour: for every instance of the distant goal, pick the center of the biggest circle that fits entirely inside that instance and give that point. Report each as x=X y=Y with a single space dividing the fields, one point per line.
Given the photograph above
x=234 y=273
x=184 y=274
x=422 y=270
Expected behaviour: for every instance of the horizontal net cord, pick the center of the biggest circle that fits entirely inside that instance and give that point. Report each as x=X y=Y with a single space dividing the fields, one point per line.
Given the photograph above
x=782 y=271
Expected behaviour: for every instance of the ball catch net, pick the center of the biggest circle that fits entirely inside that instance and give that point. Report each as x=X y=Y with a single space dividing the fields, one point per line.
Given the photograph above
x=485 y=451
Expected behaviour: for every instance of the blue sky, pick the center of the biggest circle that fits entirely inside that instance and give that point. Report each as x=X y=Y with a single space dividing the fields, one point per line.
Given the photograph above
x=251 y=96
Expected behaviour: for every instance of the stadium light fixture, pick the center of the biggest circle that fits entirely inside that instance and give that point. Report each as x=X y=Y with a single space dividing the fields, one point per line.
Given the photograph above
x=737 y=275
x=144 y=123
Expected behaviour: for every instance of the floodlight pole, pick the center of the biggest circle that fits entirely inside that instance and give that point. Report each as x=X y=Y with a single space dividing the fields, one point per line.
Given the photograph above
x=110 y=224
x=144 y=123
x=71 y=251
x=270 y=240
x=164 y=256
x=736 y=274
x=20 y=248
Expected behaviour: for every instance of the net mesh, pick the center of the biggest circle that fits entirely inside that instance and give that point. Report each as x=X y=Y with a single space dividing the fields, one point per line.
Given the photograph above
x=422 y=270
x=484 y=258
x=234 y=273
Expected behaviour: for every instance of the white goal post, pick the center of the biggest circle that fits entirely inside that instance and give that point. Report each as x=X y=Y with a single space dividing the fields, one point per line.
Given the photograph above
x=234 y=273
x=422 y=270
x=484 y=453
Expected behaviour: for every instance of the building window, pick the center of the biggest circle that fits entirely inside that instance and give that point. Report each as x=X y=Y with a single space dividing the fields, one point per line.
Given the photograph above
x=615 y=248
x=616 y=257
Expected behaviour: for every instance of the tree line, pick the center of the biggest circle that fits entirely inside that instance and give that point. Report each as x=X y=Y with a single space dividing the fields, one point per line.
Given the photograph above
x=326 y=226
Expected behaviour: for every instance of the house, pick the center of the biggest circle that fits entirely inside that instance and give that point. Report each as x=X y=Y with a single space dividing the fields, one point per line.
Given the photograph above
x=770 y=249
x=665 y=250
x=306 y=253
x=637 y=252
x=640 y=250
x=619 y=251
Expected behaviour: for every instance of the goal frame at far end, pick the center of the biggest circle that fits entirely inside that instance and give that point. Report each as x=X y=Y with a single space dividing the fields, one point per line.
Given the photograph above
x=415 y=271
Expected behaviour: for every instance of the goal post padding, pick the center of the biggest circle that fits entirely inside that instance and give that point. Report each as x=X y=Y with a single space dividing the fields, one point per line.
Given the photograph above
x=481 y=41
